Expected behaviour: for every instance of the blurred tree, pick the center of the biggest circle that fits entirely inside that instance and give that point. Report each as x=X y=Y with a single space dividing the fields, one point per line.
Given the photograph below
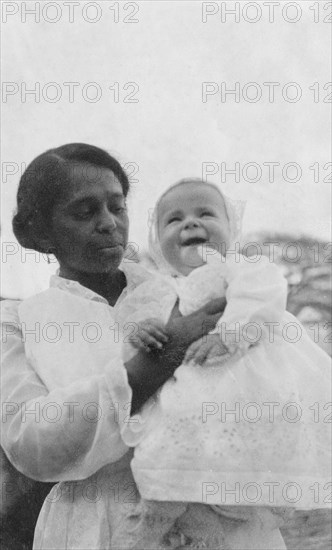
x=306 y=263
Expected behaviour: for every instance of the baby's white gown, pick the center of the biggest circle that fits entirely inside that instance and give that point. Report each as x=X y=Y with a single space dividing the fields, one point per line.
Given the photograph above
x=251 y=427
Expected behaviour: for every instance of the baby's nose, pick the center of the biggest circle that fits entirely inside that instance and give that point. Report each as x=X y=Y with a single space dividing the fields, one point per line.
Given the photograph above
x=191 y=223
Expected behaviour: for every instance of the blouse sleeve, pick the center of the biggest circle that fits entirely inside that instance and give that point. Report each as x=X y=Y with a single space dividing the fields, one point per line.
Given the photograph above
x=154 y=298
x=64 y=434
x=256 y=297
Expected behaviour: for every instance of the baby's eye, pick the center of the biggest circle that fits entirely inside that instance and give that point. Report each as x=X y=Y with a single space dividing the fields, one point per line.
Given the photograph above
x=174 y=219
x=207 y=213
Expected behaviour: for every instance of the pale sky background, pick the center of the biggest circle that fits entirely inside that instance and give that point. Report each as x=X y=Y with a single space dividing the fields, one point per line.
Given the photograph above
x=170 y=132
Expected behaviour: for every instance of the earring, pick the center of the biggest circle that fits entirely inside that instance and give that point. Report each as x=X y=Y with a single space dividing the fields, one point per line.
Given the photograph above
x=48 y=252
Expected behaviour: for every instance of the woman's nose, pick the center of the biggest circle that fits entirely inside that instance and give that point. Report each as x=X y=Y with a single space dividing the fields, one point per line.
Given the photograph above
x=106 y=222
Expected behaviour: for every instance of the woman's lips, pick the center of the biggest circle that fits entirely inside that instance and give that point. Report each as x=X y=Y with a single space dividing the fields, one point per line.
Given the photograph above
x=111 y=249
x=110 y=245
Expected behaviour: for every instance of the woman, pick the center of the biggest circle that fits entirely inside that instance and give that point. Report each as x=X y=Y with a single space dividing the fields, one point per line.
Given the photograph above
x=72 y=203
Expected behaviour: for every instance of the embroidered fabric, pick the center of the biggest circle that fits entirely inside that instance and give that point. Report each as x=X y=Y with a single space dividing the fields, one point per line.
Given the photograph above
x=163 y=525
x=177 y=449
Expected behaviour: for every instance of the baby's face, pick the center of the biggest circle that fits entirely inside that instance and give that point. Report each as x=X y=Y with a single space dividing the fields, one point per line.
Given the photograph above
x=188 y=216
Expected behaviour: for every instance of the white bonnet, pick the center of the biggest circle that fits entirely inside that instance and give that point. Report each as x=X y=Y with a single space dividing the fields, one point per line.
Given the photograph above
x=234 y=209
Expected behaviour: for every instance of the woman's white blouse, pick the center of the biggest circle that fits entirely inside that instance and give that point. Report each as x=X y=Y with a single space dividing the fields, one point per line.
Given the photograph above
x=54 y=431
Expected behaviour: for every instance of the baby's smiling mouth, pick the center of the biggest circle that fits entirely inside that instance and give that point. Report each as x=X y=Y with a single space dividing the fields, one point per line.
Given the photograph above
x=194 y=241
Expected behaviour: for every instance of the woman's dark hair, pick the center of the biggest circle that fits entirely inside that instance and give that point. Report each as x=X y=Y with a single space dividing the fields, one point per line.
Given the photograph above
x=43 y=184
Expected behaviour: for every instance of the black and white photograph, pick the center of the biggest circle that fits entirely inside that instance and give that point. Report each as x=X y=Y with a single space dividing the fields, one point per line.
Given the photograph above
x=166 y=289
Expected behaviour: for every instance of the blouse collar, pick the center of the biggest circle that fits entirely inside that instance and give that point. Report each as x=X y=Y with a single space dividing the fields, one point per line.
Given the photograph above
x=135 y=274
x=74 y=287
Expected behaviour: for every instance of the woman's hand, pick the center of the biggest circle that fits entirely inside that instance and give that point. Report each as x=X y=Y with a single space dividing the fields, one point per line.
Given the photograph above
x=183 y=331
x=148 y=371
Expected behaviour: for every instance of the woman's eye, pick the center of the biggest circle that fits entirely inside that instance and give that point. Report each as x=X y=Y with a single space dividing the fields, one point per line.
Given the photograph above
x=207 y=213
x=83 y=215
x=118 y=210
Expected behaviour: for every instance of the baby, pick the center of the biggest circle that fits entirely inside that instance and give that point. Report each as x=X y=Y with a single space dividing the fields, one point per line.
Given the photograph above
x=234 y=426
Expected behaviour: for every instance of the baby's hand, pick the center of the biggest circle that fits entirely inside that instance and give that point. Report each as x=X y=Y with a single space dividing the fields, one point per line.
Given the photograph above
x=205 y=348
x=151 y=334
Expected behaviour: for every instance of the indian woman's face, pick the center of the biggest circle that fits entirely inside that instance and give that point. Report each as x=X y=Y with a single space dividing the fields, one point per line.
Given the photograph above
x=90 y=224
